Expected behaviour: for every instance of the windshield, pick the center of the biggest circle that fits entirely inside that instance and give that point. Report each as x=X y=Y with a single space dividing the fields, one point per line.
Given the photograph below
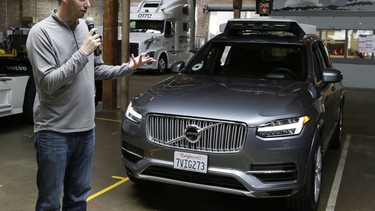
x=147 y=26
x=250 y=60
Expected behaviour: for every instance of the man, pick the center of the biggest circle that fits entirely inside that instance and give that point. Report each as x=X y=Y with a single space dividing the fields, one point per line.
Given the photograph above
x=60 y=50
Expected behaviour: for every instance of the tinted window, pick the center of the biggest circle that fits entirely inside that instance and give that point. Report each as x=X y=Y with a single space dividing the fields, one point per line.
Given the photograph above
x=325 y=55
x=147 y=26
x=318 y=62
x=270 y=61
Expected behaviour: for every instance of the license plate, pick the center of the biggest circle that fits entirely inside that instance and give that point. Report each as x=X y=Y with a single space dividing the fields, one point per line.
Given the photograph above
x=190 y=162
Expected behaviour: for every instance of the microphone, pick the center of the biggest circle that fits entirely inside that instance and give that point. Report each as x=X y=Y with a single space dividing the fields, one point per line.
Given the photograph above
x=90 y=25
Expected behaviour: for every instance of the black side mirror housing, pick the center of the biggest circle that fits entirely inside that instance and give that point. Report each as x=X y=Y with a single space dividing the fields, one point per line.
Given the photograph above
x=178 y=67
x=331 y=75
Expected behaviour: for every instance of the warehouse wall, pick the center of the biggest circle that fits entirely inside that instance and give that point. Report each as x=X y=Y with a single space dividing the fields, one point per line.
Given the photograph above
x=9 y=14
x=12 y=12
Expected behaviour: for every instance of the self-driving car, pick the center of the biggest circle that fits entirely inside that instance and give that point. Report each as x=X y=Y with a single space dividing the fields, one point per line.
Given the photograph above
x=252 y=113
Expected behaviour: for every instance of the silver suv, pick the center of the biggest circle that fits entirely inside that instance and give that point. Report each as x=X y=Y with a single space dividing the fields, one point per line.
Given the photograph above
x=252 y=113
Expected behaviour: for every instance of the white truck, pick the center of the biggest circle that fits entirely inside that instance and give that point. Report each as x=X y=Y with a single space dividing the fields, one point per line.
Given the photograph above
x=17 y=89
x=164 y=30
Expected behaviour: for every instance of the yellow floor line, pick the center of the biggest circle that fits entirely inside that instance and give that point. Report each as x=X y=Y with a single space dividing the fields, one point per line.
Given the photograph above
x=105 y=119
x=122 y=180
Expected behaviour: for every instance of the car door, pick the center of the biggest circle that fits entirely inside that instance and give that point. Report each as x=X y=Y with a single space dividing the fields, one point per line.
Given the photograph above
x=327 y=99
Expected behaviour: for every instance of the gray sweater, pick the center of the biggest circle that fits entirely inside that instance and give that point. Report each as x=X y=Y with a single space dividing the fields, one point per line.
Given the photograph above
x=64 y=76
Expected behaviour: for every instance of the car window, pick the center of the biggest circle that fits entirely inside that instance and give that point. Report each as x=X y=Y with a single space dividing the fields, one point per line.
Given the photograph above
x=224 y=55
x=251 y=60
x=325 y=54
x=318 y=64
x=144 y=26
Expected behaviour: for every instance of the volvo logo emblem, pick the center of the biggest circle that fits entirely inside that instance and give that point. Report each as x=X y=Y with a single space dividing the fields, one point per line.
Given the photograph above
x=193 y=133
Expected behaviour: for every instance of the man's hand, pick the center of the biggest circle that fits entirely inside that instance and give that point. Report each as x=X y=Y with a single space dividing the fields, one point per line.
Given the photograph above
x=137 y=62
x=91 y=42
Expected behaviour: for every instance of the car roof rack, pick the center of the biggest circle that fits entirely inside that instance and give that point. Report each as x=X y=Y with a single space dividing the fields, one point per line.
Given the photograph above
x=266 y=25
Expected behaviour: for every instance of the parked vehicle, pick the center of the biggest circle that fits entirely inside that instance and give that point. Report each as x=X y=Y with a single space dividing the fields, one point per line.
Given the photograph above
x=17 y=88
x=252 y=113
x=164 y=29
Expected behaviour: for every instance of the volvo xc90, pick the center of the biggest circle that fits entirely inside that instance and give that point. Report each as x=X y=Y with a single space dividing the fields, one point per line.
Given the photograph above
x=252 y=113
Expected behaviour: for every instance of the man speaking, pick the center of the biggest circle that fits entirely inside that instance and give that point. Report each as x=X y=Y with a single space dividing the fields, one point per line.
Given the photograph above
x=60 y=49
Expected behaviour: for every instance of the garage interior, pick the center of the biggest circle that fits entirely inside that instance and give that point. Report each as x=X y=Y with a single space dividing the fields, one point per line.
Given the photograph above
x=348 y=179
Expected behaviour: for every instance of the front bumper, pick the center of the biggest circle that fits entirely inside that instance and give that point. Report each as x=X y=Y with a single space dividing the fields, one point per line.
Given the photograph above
x=261 y=169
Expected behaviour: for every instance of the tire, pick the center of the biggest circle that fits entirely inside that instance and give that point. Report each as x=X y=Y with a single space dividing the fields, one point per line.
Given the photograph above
x=336 y=139
x=162 y=64
x=28 y=101
x=307 y=199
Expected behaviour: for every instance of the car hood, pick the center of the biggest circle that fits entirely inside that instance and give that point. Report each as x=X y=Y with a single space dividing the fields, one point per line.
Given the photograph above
x=223 y=98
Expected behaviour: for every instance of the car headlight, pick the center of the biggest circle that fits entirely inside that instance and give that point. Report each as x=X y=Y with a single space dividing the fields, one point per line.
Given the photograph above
x=282 y=127
x=132 y=114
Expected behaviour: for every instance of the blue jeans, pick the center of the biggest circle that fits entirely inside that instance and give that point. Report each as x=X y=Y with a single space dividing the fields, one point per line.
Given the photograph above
x=64 y=159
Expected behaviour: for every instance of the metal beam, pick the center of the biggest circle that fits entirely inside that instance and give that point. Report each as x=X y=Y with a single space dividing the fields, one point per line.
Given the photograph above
x=110 y=18
x=237 y=6
x=124 y=82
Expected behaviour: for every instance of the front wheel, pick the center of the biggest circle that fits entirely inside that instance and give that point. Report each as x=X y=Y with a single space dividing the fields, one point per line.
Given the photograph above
x=162 y=64
x=307 y=199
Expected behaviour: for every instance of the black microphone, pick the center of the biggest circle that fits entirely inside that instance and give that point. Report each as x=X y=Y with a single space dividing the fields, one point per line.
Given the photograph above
x=90 y=25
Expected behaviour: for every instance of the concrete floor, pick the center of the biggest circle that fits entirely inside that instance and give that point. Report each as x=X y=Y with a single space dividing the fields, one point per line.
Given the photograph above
x=354 y=189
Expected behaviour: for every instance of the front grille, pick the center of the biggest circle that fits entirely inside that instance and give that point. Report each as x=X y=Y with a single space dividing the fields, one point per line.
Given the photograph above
x=196 y=134
x=193 y=177
x=134 y=49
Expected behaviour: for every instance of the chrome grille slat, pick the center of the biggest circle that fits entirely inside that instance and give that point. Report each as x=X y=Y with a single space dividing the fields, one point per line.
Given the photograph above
x=216 y=136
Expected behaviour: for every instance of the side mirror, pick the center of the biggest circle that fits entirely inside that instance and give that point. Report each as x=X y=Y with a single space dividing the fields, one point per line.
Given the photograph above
x=178 y=67
x=332 y=75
